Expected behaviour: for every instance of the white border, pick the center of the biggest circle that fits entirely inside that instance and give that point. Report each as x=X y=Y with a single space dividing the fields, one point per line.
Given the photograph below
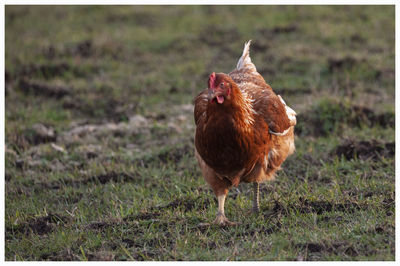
x=203 y=2
x=397 y=104
x=208 y=2
x=2 y=133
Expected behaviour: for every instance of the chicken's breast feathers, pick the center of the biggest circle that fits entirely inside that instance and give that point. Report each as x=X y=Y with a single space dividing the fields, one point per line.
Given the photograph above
x=200 y=107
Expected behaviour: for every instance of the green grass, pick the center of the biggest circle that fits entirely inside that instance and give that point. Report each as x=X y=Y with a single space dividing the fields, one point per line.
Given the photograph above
x=116 y=85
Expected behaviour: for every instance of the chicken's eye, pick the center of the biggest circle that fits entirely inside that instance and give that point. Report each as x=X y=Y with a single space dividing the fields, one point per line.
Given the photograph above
x=221 y=85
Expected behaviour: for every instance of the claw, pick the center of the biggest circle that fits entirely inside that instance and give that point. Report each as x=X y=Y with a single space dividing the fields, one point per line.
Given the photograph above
x=223 y=221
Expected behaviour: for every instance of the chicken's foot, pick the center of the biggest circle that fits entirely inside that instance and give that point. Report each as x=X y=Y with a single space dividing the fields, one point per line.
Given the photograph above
x=221 y=218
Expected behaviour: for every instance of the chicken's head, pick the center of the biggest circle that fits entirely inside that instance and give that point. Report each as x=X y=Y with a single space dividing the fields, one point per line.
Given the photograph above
x=219 y=87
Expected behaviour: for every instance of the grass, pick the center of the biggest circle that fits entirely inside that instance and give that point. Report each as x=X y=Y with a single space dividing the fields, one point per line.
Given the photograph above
x=117 y=178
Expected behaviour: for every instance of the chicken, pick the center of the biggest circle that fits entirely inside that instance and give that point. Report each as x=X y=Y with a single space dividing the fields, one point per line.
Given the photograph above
x=244 y=131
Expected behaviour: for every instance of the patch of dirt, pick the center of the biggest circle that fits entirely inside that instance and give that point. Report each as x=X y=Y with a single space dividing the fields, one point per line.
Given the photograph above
x=365 y=150
x=137 y=124
x=383 y=229
x=389 y=204
x=40 y=225
x=335 y=248
x=99 y=225
x=261 y=230
x=174 y=155
x=90 y=151
x=326 y=219
x=50 y=52
x=337 y=64
x=71 y=102
x=186 y=203
x=389 y=200
x=40 y=133
x=343 y=64
x=112 y=176
x=278 y=30
x=53 y=70
x=174 y=89
x=156 y=116
x=278 y=208
x=142 y=216
x=84 y=48
x=100 y=256
x=386 y=73
x=43 y=89
x=311 y=247
x=130 y=243
x=102 y=179
x=68 y=255
x=365 y=194
x=100 y=106
x=329 y=116
x=262 y=47
x=47 y=71
x=357 y=38
x=318 y=207
x=285 y=29
x=361 y=114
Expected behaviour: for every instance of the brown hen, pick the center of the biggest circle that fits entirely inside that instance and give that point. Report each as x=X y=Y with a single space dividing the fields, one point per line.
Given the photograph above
x=244 y=131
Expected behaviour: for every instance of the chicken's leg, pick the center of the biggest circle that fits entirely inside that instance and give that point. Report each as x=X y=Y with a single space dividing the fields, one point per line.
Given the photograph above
x=256 y=199
x=221 y=218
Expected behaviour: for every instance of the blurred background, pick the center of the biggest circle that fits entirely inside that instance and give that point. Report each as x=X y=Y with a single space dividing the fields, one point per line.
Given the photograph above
x=99 y=132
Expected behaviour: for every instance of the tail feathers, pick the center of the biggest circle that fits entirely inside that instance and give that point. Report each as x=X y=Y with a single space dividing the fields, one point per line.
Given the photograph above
x=245 y=60
x=289 y=112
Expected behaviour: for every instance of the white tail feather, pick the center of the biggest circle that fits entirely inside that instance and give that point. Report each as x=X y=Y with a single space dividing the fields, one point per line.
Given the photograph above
x=245 y=60
x=289 y=112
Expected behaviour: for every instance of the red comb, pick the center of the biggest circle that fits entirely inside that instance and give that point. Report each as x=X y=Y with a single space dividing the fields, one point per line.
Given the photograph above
x=211 y=80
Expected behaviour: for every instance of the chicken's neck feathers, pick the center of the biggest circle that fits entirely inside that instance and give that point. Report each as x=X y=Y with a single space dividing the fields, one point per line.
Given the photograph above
x=240 y=109
x=247 y=110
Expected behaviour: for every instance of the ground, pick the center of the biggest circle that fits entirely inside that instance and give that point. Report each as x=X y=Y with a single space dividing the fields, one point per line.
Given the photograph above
x=99 y=132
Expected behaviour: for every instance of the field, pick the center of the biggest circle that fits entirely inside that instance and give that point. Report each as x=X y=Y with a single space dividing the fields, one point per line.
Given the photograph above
x=99 y=132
